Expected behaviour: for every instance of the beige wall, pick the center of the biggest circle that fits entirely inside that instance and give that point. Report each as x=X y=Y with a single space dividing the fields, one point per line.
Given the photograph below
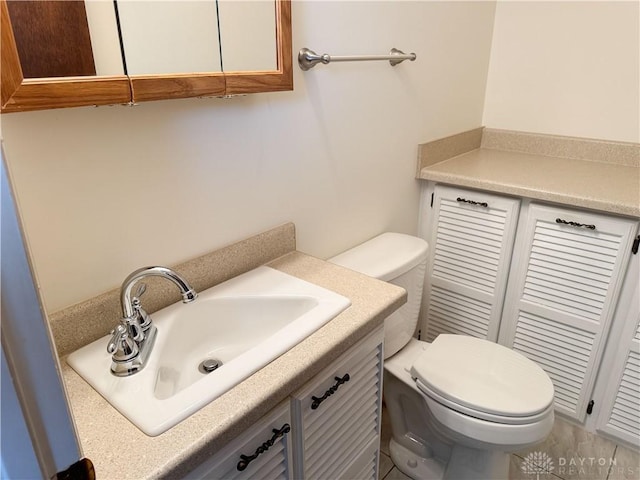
x=566 y=68
x=106 y=190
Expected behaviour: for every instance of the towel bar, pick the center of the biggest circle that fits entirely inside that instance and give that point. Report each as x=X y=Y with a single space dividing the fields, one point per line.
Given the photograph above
x=307 y=59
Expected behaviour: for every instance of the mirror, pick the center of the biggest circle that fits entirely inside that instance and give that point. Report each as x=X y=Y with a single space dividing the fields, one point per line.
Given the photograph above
x=248 y=35
x=163 y=37
x=256 y=52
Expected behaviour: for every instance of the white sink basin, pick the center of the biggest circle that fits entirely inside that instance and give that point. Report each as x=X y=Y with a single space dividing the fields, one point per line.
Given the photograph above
x=244 y=323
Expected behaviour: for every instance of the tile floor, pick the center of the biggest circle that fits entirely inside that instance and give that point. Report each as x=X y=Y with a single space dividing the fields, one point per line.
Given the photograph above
x=575 y=455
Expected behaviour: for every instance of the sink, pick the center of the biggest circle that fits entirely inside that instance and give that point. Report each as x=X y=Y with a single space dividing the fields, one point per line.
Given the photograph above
x=241 y=325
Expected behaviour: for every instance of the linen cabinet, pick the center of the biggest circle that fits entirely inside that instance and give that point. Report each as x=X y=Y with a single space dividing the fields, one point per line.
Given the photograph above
x=617 y=395
x=549 y=282
x=470 y=235
x=564 y=285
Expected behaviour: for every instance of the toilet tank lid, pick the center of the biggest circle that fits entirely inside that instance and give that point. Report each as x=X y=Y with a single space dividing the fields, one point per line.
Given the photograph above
x=384 y=257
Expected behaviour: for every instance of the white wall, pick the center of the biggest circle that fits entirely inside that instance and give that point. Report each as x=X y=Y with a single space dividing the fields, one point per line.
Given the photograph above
x=106 y=190
x=566 y=68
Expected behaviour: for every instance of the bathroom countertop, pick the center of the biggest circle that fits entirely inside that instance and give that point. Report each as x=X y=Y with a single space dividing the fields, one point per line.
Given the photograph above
x=603 y=186
x=119 y=450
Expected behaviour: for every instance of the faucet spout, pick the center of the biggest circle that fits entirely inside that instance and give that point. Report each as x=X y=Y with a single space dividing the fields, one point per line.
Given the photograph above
x=133 y=340
x=188 y=293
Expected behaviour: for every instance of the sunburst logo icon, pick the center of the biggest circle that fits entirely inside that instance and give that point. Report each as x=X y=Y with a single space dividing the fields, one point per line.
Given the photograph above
x=538 y=463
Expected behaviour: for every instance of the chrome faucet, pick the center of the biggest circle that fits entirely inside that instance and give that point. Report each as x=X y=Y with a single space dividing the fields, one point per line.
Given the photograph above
x=132 y=340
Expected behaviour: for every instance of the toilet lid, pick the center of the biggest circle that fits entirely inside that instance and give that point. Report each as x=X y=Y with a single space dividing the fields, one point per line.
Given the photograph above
x=482 y=377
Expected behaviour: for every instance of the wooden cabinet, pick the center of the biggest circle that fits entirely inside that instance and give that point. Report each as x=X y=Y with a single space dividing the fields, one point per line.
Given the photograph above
x=262 y=452
x=25 y=94
x=563 y=289
x=470 y=243
x=337 y=416
x=329 y=429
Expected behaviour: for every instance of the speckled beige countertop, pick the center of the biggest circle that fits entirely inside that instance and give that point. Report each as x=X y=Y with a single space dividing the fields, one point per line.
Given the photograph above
x=120 y=451
x=608 y=187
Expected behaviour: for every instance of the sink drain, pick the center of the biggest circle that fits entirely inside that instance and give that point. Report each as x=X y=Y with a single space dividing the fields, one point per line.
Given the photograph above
x=209 y=365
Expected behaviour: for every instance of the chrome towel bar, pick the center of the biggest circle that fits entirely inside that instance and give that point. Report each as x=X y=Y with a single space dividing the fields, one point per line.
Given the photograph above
x=307 y=59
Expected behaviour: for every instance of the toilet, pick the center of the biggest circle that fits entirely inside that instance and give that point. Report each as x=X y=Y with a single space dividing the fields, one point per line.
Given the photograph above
x=459 y=405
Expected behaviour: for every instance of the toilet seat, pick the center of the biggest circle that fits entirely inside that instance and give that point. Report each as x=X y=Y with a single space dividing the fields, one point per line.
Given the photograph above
x=479 y=414
x=484 y=380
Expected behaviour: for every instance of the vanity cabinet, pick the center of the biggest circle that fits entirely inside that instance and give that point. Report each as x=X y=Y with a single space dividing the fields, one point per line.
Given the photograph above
x=337 y=417
x=263 y=452
x=548 y=288
x=470 y=237
x=329 y=429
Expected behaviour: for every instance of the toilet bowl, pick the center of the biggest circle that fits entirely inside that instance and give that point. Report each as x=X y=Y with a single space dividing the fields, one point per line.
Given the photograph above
x=459 y=405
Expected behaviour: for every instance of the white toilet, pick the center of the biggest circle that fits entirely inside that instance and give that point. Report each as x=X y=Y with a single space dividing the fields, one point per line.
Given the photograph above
x=460 y=404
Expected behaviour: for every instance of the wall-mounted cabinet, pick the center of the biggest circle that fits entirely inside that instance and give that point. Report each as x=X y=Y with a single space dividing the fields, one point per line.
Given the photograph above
x=141 y=51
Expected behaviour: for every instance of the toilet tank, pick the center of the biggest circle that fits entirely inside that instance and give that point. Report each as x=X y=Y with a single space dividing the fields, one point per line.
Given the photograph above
x=399 y=259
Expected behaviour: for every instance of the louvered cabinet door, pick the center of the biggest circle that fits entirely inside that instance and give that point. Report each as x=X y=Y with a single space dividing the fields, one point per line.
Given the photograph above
x=564 y=284
x=619 y=414
x=339 y=415
x=623 y=408
x=263 y=452
x=470 y=245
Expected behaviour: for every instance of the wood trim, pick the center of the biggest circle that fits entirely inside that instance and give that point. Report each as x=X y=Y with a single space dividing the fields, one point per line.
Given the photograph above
x=163 y=87
x=41 y=94
x=11 y=71
x=269 y=81
x=19 y=95
x=22 y=95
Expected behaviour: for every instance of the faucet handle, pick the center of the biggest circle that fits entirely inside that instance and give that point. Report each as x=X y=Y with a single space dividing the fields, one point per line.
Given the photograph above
x=121 y=346
x=142 y=287
x=144 y=319
x=133 y=328
x=116 y=333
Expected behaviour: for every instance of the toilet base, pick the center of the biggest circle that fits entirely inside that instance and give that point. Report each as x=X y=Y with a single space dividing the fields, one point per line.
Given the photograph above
x=464 y=464
x=414 y=466
x=469 y=463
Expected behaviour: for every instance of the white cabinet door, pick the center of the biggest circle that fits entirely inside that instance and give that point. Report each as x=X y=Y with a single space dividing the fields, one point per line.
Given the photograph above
x=619 y=377
x=337 y=416
x=563 y=288
x=262 y=452
x=470 y=243
x=621 y=408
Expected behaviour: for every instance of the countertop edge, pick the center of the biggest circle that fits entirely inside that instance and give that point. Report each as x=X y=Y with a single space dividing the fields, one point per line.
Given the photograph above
x=491 y=182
